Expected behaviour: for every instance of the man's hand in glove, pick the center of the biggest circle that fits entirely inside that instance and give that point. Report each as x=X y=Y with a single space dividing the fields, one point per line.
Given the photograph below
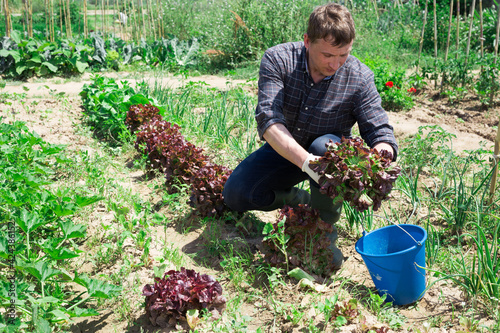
x=308 y=170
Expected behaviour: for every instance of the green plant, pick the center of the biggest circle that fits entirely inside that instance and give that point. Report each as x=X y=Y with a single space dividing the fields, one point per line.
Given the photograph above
x=38 y=236
x=275 y=234
x=352 y=172
x=299 y=237
x=328 y=308
x=391 y=84
x=487 y=86
x=469 y=192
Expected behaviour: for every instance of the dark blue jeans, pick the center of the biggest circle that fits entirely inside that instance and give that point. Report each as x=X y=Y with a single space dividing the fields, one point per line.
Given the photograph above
x=253 y=182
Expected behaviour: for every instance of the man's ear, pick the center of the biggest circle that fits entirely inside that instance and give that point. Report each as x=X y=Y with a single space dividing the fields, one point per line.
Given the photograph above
x=307 y=41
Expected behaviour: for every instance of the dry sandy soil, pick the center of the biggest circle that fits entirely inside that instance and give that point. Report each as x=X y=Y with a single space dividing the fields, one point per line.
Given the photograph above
x=54 y=120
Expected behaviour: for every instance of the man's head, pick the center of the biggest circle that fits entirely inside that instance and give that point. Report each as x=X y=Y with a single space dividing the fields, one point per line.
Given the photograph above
x=333 y=23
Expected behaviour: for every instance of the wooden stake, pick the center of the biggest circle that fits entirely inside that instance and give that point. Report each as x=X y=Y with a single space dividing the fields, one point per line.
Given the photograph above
x=47 y=26
x=449 y=32
x=472 y=9
x=495 y=161
x=85 y=20
x=69 y=32
x=497 y=34
x=52 y=24
x=422 y=34
x=435 y=32
x=492 y=93
x=457 y=42
x=8 y=22
x=443 y=77
x=481 y=37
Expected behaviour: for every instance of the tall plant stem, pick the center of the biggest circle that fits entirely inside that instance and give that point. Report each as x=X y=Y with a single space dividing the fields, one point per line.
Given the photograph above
x=472 y=9
x=422 y=34
x=375 y=7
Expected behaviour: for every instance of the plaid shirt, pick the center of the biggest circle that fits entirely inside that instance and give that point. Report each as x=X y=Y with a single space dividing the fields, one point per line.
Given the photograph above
x=288 y=95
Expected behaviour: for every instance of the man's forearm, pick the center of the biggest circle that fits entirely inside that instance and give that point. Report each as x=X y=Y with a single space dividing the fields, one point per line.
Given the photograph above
x=278 y=136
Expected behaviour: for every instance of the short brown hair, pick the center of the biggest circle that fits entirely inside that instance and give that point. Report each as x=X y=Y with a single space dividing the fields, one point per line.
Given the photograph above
x=331 y=21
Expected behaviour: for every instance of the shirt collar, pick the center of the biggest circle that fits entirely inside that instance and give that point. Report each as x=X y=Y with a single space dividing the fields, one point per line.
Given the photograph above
x=306 y=67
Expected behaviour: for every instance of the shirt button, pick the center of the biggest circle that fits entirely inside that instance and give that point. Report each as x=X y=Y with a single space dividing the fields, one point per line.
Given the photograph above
x=298 y=129
x=307 y=108
x=312 y=84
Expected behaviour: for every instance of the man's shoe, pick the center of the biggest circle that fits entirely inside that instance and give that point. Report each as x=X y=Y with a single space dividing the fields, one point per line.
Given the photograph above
x=330 y=213
x=292 y=197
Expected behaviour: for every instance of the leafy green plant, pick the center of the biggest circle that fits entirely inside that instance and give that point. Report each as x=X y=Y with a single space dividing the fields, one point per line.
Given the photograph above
x=106 y=104
x=351 y=172
x=391 y=84
x=487 y=86
x=38 y=236
x=299 y=237
x=468 y=195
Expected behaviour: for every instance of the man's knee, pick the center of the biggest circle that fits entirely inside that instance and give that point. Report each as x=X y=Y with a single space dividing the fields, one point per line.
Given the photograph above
x=318 y=147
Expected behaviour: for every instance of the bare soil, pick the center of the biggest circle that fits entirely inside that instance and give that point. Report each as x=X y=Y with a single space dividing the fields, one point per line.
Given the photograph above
x=54 y=119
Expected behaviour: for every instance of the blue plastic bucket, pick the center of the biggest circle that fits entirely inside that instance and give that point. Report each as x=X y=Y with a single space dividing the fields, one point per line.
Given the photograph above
x=395 y=261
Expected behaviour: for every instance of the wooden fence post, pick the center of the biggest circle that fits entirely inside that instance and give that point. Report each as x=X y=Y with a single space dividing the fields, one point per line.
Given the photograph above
x=496 y=159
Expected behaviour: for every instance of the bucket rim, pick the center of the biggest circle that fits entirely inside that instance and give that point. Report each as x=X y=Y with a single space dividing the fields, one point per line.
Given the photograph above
x=410 y=249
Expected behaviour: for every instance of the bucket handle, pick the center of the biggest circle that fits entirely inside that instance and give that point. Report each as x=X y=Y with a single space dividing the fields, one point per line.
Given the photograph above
x=396 y=224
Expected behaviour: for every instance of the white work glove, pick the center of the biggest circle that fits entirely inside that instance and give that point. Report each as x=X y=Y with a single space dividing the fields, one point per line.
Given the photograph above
x=308 y=170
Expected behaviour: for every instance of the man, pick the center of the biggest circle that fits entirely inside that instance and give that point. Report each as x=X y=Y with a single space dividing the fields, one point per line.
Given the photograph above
x=310 y=92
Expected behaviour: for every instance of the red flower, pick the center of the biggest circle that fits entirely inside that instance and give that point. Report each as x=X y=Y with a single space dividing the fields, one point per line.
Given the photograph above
x=412 y=90
x=389 y=84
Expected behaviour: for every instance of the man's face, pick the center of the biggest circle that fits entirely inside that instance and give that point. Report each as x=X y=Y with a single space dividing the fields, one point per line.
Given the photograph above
x=323 y=58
